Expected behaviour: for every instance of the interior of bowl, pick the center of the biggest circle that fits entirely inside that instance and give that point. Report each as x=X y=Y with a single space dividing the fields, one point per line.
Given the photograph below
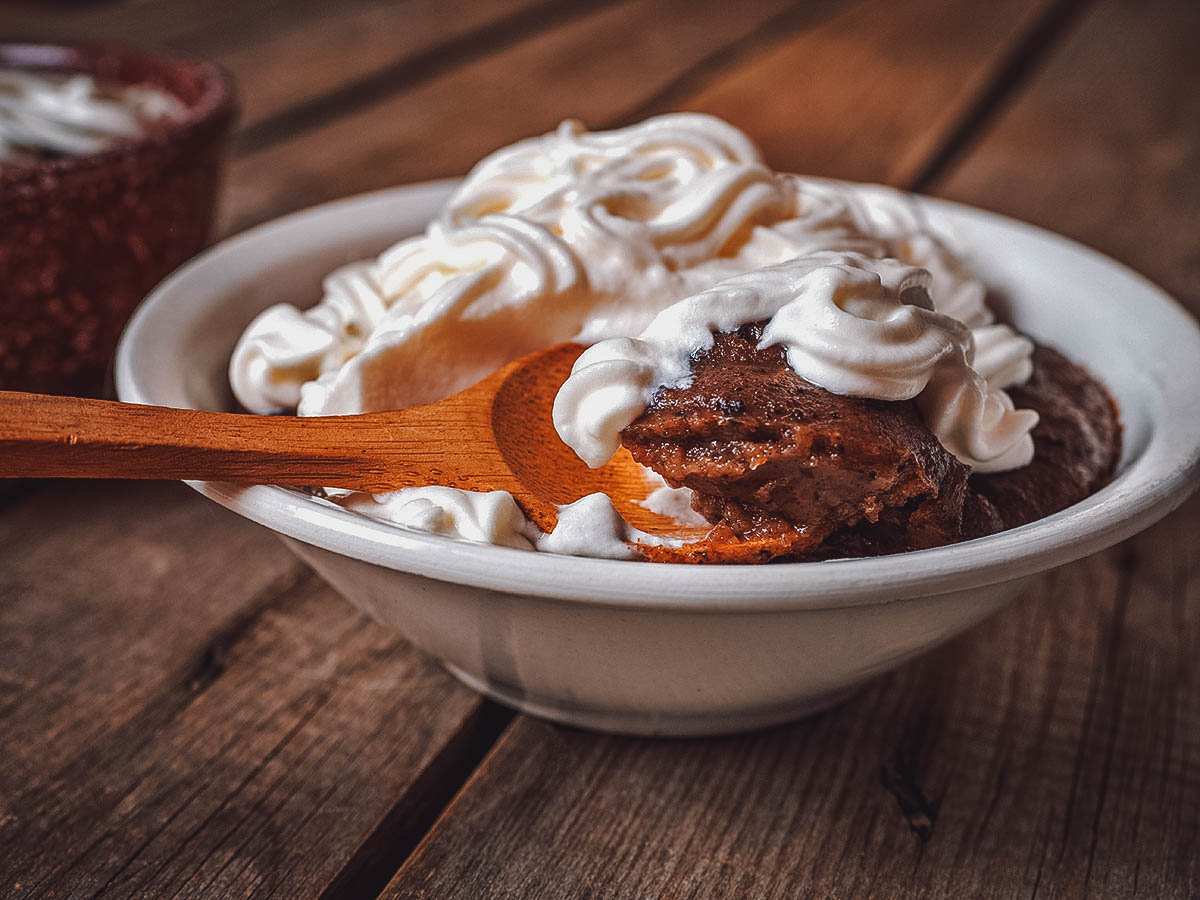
x=1135 y=339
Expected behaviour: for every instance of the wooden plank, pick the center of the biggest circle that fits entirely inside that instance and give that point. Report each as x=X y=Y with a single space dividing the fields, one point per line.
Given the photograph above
x=353 y=62
x=1054 y=751
x=84 y=591
x=869 y=94
x=597 y=67
x=297 y=58
x=157 y=22
x=1110 y=156
x=621 y=69
x=185 y=705
x=289 y=54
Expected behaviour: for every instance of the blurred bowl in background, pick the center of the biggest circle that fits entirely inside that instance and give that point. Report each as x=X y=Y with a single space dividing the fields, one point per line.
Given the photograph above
x=84 y=238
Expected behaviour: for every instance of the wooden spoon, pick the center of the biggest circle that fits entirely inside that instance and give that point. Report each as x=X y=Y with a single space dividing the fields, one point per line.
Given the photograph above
x=497 y=435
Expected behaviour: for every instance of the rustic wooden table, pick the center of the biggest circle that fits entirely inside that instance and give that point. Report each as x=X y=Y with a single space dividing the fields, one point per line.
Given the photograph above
x=186 y=710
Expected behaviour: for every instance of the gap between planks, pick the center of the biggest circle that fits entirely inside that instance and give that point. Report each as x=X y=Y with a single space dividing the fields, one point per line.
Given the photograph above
x=410 y=71
x=1010 y=74
x=384 y=851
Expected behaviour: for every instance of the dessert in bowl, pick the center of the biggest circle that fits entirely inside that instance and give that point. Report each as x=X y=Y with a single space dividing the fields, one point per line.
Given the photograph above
x=631 y=645
x=868 y=414
x=109 y=161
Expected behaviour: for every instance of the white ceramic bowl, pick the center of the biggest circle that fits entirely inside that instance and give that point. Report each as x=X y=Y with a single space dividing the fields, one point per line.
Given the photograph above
x=669 y=649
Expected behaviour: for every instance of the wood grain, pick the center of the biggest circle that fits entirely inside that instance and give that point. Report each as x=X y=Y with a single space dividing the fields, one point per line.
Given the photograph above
x=186 y=707
x=501 y=427
x=595 y=67
x=1053 y=752
x=867 y=94
x=1109 y=145
x=289 y=57
x=47 y=436
x=184 y=710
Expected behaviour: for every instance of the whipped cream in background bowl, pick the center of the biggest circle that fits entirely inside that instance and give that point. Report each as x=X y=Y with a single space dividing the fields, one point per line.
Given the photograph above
x=109 y=163
x=47 y=116
x=632 y=646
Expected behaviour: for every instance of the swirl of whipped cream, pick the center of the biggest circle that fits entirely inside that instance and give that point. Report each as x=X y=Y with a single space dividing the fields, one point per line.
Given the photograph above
x=1002 y=356
x=567 y=236
x=516 y=288
x=634 y=204
x=588 y=236
x=283 y=348
x=849 y=323
x=542 y=174
x=72 y=115
x=576 y=236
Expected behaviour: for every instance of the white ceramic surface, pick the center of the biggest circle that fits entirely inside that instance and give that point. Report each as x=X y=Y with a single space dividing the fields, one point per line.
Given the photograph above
x=683 y=650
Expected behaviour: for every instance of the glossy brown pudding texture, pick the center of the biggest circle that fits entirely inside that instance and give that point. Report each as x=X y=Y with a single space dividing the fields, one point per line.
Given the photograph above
x=789 y=471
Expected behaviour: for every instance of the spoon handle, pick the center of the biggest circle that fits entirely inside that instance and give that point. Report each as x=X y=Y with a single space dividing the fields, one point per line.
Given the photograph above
x=44 y=436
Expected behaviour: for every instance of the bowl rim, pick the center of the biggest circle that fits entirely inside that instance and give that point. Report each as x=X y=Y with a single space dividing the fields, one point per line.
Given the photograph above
x=216 y=105
x=1158 y=480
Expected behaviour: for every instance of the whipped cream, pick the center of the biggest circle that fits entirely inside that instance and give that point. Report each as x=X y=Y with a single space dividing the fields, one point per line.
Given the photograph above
x=491 y=517
x=591 y=526
x=588 y=236
x=73 y=115
x=570 y=236
x=850 y=324
x=673 y=502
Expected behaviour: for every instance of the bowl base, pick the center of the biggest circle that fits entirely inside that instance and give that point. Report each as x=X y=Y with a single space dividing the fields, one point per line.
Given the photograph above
x=641 y=724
